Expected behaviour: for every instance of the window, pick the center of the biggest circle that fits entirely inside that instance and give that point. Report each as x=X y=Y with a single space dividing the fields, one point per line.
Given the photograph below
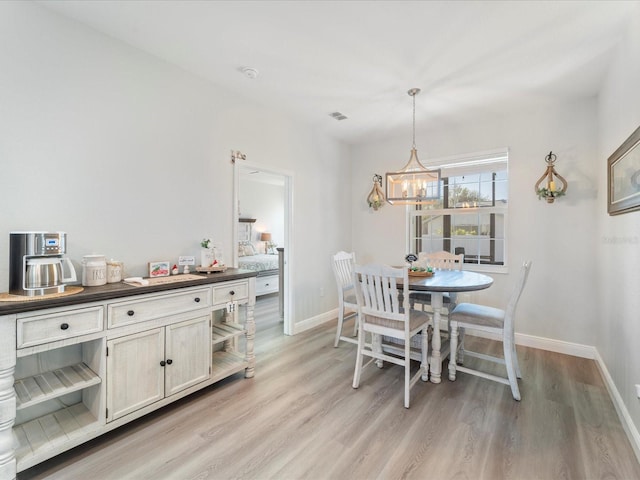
x=471 y=215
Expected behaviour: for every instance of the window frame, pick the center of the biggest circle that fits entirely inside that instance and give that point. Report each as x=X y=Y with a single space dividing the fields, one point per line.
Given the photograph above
x=454 y=162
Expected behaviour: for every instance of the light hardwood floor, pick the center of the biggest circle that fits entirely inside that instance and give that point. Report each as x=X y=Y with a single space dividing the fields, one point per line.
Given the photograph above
x=299 y=418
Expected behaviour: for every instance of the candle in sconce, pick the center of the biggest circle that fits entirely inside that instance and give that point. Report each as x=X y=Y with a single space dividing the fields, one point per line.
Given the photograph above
x=552 y=186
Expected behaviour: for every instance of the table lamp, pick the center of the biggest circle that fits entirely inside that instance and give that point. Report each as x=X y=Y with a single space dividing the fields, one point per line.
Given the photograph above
x=266 y=238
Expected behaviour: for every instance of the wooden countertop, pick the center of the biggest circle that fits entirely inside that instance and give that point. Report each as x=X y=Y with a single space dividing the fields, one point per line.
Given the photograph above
x=119 y=290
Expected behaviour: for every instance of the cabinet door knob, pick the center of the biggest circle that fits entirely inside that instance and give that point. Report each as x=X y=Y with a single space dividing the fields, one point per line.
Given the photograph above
x=130 y=313
x=197 y=299
x=162 y=363
x=169 y=361
x=64 y=326
x=232 y=292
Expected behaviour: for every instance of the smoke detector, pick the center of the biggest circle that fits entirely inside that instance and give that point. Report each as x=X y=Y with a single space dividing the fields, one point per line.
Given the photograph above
x=249 y=72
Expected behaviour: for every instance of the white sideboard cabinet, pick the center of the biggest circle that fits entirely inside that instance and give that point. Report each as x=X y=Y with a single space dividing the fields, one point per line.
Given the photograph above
x=69 y=374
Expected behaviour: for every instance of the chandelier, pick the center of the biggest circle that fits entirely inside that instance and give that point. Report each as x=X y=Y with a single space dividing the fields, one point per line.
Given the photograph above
x=414 y=184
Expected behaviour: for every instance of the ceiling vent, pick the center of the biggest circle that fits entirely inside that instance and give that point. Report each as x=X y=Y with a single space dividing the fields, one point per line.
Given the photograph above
x=249 y=72
x=338 y=116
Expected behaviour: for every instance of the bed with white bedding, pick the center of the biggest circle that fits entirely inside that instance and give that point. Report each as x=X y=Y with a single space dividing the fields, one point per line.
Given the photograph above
x=266 y=265
x=260 y=263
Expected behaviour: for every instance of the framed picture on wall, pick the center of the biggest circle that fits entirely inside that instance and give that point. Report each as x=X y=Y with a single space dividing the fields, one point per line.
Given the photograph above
x=623 y=175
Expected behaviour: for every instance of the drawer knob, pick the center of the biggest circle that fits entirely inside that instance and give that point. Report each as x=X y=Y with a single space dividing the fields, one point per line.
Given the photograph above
x=64 y=326
x=197 y=299
x=162 y=363
x=169 y=361
x=130 y=313
x=232 y=292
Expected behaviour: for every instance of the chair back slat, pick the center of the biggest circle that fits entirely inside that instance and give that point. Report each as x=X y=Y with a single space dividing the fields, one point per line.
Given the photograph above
x=442 y=260
x=343 y=263
x=377 y=286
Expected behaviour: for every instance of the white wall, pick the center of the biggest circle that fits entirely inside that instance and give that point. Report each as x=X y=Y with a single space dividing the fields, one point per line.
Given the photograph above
x=559 y=301
x=618 y=240
x=131 y=155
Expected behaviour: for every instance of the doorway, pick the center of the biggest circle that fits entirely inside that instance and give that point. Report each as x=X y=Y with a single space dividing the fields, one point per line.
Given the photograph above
x=263 y=196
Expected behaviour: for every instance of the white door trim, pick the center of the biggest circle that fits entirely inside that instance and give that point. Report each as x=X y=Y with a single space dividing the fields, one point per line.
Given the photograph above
x=288 y=230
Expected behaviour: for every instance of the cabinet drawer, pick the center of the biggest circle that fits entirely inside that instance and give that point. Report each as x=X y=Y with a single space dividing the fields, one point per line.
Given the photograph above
x=58 y=326
x=230 y=292
x=135 y=311
x=266 y=285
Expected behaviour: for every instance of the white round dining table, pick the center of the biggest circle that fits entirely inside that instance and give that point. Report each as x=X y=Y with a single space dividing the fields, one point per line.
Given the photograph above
x=445 y=281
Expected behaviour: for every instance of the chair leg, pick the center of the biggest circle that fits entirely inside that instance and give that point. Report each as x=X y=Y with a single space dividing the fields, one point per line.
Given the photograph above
x=461 y=348
x=424 y=365
x=515 y=360
x=509 y=352
x=340 y=321
x=407 y=371
x=359 y=360
x=356 y=321
x=453 y=356
x=376 y=345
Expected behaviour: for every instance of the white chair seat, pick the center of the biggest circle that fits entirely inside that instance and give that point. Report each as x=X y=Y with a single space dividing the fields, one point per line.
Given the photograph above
x=350 y=298
x=471 y=315
x=416 y=320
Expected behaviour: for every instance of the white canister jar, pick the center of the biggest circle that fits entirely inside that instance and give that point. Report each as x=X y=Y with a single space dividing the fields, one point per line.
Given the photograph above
x=114 y=271
x=94 y=270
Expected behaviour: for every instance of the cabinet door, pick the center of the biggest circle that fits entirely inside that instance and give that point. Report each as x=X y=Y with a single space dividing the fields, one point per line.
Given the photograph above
x=135 y=376
x=188 y=354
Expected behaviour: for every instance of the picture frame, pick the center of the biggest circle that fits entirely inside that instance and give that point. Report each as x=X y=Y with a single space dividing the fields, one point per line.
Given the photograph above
x=159 y=269
x=623 y=177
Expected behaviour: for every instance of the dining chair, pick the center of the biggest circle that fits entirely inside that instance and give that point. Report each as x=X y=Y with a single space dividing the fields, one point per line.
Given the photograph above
x=381 y=314
x=442 y=260
x=343 y=263
x=489 y=320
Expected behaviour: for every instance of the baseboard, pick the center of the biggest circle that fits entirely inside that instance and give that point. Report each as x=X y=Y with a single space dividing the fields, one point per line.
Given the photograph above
x=621 y=408
x=548 y=344
x=313 y=322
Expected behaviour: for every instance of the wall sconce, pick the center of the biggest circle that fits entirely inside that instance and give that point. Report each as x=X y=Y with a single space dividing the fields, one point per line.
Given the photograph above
x=376 y=197
x=550 y=191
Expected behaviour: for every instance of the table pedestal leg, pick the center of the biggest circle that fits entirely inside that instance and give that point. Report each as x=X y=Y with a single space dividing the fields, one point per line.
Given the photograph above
x=436 y=342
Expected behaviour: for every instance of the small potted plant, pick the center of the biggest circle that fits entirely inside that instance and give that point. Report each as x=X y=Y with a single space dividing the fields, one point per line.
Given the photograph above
x=207 y=256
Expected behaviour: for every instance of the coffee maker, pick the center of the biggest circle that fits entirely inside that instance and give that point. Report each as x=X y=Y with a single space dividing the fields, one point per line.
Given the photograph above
x=37 y=263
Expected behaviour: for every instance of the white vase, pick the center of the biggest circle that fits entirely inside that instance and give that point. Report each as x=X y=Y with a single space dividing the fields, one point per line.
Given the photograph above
x=206 y=257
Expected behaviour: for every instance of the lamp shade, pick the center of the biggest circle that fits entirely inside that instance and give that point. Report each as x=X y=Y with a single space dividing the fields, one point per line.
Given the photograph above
x=265 y=237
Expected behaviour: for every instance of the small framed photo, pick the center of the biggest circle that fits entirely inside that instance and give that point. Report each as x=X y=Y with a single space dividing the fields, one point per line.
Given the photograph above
x=159 y=269
x=624 y=177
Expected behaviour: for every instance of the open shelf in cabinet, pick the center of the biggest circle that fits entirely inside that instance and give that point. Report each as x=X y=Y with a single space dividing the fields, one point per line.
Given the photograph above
x=227 y=363
x=226 y=331
x=45 y=386
x=38 y=437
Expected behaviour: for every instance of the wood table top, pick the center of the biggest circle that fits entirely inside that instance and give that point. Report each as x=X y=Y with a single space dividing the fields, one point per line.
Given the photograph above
x=451 y=281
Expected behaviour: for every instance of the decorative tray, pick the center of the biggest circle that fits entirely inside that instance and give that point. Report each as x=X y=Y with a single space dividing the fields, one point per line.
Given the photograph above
x=420 y=274
x=211 y=269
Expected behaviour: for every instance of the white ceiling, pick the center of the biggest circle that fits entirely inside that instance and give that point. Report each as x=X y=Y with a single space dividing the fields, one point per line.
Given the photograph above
x=472 y=59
